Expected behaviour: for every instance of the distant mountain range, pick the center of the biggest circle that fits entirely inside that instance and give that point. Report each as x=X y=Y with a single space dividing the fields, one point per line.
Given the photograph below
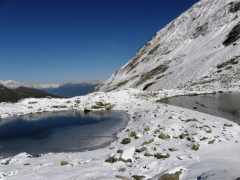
x=9 y=95
x=73 y=89
x=14 y=84
x=64 y=90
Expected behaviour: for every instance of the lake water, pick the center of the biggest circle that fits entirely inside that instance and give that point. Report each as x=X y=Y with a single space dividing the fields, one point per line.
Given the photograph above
x=226 y=105
x=65 y=131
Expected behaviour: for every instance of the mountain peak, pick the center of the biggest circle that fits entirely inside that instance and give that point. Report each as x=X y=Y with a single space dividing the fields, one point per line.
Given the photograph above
x=11 y=84
x=186 y=52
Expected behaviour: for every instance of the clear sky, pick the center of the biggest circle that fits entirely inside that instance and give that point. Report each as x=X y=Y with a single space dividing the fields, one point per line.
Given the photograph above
x=57 y=41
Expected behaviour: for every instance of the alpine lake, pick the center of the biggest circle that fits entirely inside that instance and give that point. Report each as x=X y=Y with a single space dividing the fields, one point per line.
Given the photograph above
x=62 y=131
x=77 y=131
x=225 y=105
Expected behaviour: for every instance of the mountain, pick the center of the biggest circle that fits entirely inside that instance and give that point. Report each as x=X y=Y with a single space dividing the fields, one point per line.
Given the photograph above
x=197 y=51
x=64 y=90
x=9 y=95
x=14 y=84
x=73 y=89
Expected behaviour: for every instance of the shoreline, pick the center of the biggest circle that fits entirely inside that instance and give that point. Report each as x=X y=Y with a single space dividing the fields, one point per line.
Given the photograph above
x=163 y=139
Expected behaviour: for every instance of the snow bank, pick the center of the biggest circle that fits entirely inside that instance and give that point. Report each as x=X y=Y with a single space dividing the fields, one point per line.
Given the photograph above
x=164 y=141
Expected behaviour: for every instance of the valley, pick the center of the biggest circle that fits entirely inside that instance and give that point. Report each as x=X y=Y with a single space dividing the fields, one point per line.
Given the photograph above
x=197 y=53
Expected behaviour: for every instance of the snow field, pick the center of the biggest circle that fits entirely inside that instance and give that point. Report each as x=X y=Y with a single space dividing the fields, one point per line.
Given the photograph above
x=159 y=139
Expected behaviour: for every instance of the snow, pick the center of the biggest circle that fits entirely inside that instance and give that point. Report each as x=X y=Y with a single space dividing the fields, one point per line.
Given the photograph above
x=192 y=56
x=14 y=84
x=148 y=118
x=128 y=153
x=168 y=139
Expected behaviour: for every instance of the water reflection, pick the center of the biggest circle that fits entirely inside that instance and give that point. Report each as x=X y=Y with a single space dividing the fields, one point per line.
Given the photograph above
x=69 y=113
x=66 y=131
x=226 y=105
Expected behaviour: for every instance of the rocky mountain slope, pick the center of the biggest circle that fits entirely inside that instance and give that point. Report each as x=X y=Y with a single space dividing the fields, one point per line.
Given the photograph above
x=197 y=51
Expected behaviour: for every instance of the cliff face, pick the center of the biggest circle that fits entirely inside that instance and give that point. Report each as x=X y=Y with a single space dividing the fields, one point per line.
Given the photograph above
x=199 y=50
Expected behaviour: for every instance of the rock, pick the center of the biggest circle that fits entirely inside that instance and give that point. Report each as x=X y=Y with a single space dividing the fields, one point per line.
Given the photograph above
x=182 y=136
x=157 y=131
x=119 y=151
x=122 y=170
x=110 y=107
x=168 y=176
x=192 y=120
x=100 y=103
x=142 y=149
x=147 y=129
x=211 y=142
x=208 y=131
x=111 y=159
x=125 y=160
x=86 y=110
x=126 y=141
x=137 y=177
x=148 y=142
x=235 y=7
x=233 y=35
x=195 y=147
x=204 y=138
x=148 y=154
x=228 y=125
x=206 y=126
x=64 y=163
x=161 y=156
x=179 y=158
x=163 y=136
x=122 y=177
x=96 y=107
x=133 y=134
x=172 y=149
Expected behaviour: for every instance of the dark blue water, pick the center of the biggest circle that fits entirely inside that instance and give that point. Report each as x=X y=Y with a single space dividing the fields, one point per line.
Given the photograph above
x=226 y=105
x=65 y=131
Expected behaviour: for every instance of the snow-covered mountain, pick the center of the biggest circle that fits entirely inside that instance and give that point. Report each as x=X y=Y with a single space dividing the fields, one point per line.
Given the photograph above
x=67 y=90
x=73 y=89
x=199 y=50
x=14 y=84
x=11 y=84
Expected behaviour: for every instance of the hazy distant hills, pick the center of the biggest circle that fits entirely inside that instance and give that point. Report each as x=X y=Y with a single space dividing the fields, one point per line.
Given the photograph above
x=14 y=84
x=200 y=50
x=73 y=89
x=9 y=95
x=63 y=90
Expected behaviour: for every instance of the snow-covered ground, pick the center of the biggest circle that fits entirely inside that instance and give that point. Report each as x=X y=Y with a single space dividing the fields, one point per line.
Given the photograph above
x=159 y=139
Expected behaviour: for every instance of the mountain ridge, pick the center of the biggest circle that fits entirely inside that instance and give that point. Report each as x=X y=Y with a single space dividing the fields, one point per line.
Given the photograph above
x=9 y=95
x=15 y=84
x=187 y=52
x=73 y=89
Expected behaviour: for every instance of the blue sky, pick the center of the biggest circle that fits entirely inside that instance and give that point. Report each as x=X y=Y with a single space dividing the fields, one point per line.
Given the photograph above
x=57 y=41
